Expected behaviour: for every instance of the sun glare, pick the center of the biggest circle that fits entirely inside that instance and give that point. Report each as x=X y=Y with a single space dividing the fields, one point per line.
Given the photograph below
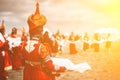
x=108 y=30
x=103 y=2
x=109 y=4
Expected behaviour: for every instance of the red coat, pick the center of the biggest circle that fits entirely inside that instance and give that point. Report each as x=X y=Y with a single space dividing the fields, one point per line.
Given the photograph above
x=39 y=53
x=3 y=73
x=14 y=42
x=8 y=62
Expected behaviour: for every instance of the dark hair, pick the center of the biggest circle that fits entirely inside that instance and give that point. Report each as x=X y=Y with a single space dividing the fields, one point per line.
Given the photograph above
x=14 y=30
x=37 y=32
x=2 y=31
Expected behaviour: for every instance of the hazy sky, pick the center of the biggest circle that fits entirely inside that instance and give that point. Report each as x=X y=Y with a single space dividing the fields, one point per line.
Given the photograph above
x=79 y=16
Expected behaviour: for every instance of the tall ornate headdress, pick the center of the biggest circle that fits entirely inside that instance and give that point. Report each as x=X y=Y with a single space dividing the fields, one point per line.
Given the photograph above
x=36 y=20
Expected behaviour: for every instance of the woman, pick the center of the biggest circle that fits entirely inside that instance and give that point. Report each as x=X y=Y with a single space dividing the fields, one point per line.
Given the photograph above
x=38 y=65
x=3 y=48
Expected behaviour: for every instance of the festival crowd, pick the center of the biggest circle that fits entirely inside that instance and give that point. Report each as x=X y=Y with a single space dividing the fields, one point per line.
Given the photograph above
x=34 y=50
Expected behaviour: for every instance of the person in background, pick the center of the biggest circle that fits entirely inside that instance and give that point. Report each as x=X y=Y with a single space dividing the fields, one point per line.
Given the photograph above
x=3 y=48
x=96 y=42
x=72 y=45
x=14 y=42
x=108 y=42
x=55 y=45
x=85 y=43
x=24 y=39
x=47 y=39
x=36 y=53
x=24 y=36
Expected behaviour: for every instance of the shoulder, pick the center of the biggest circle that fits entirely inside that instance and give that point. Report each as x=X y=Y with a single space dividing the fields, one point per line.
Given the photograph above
x=44 y=50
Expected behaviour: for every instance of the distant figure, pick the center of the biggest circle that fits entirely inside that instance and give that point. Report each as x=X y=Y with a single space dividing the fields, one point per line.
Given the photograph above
x=4 y=47
x=36 y=53
x=58 y=35
x=62 y=43
x=24 y=36
x=85 y=43
x=96 y=42
x=8 y=62
x=24 y=39
x=47 y=39
x=14 y=42
x=72 y=45
x=55 y=45
x=108 y=42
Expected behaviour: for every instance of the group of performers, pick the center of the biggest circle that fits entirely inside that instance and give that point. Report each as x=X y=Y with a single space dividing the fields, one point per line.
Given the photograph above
x=3 y=53
x=33 y=52
x=9 y=52
x=85 y=42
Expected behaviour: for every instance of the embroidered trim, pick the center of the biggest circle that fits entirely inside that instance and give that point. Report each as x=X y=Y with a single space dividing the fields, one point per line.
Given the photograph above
x=39 y=48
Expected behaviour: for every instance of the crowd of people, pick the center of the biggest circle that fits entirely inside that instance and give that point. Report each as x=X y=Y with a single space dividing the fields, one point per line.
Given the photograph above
x=33 y=51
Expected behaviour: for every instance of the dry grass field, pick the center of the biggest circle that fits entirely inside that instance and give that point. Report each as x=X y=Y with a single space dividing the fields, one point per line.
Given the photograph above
x=104 y=65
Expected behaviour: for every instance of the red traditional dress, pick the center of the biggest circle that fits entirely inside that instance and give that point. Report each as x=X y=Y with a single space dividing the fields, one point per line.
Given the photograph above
x=72 y=45
x=3 y=47
x=96 y=42
x=14 y=42
x=38 y=65
x=85 y=42
x=6 y=54
x=8 y=62
x=108 y=41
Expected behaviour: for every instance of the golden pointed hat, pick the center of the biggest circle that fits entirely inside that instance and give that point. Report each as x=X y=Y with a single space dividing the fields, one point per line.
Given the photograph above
x=2 y=25
x=36 y=20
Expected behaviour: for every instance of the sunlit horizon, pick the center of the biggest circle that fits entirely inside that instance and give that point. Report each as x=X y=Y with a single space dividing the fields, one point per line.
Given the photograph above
x=66 y=15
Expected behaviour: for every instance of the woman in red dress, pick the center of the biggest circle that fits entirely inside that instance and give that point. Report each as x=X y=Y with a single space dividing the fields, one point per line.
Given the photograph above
x=38 y=65
x=14 y=42
x=3 y=73
x=85 y=43
x=3 y=48
x=72 y=45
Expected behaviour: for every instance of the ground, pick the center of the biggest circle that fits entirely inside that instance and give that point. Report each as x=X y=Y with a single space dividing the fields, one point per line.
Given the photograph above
x=104 y=65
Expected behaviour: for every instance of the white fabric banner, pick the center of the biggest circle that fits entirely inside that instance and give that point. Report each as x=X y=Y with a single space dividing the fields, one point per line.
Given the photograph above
x=13 y=42
x=81 y=67
x=2 y=38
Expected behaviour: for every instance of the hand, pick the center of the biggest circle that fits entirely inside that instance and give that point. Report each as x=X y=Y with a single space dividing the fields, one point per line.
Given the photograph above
x=62 y=69
x=56 y=73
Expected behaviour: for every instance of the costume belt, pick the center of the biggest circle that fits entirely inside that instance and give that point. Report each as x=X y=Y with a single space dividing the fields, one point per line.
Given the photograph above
x=32 y=63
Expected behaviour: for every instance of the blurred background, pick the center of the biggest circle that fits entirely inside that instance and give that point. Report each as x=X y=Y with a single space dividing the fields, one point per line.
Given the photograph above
x=79 y=16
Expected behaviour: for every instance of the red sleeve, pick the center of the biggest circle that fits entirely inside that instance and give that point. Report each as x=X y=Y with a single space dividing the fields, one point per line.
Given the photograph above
x=1 y=43
x=4 y=46
x=49 y=65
